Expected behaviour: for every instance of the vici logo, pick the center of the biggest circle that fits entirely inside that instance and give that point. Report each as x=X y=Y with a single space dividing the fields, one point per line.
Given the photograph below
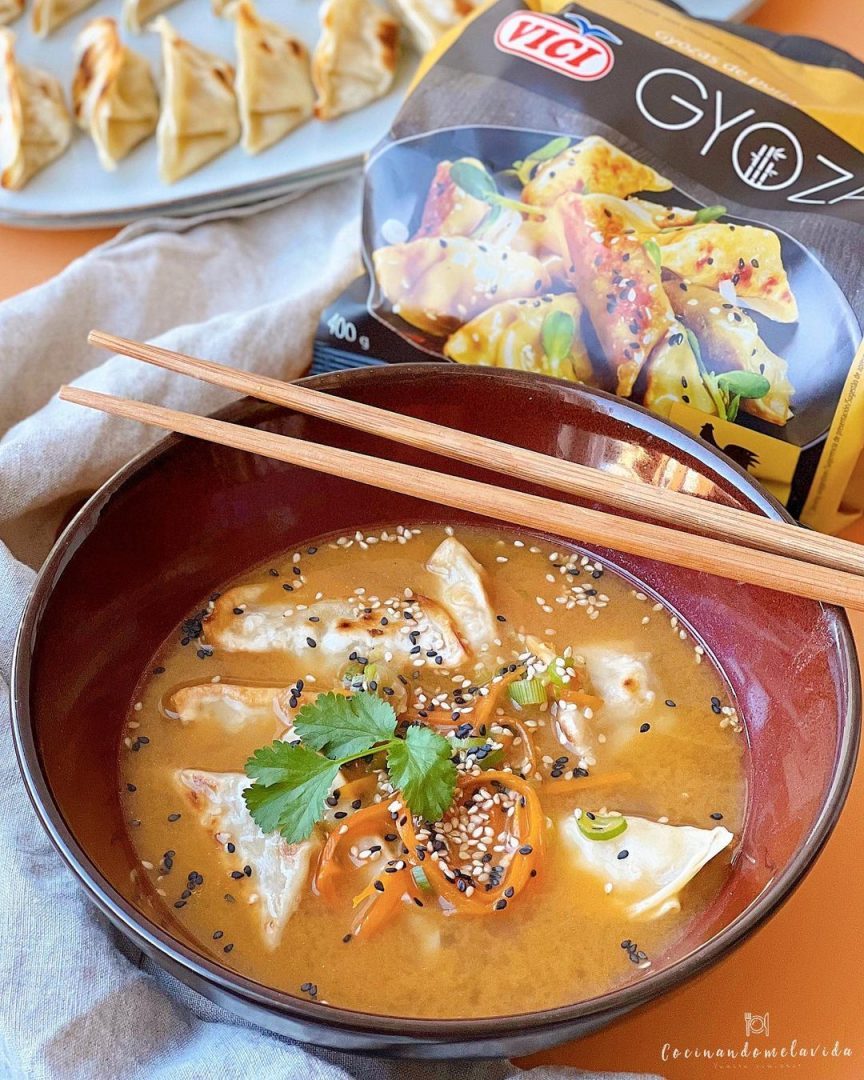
x=570 y=45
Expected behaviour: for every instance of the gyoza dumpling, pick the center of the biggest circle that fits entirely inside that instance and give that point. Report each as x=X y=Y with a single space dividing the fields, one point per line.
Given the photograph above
x=429 y=19
x=462 y=592
x=137 y=13
x=231 y=705
x=35 y=126
x=590 y=166
x=622 y=679
x=279 y=869
x=669 y=217
x=10 y=10
x=619 y=283
x=337 y=628
x=448 y=210
x=274 y=87
x=673 y=375
x=199 y=117
x=730 y=341
x=437 y=284
x=113 y=93
x=355 y=59
x=513 y=334
x=745 y=255
x=659 y=861
x=49 y=14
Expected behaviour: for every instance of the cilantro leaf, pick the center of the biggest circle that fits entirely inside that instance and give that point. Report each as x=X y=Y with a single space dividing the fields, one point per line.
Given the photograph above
x=341 y=726
x=291 y=784
x=420 y=767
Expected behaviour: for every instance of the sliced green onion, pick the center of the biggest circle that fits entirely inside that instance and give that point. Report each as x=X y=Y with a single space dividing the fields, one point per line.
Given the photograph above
x=601 y=826
x=353 y=677
x=420 y=878
x=528 y=692
x=556 y=672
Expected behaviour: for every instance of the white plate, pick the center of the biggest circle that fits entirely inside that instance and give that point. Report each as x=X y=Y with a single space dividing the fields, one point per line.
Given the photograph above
x=721 y=9
x=76 y=191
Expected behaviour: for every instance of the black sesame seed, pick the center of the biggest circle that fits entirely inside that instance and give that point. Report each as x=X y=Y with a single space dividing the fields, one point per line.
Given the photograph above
x=717 y=816
x=238 y=610
x=311 y=642
x=143 y=740
x=247 y=870
x=218 y=934
x=622 y=854
x=237 y=874
x=509 y=891
x=500 y=904
x=346 y=939
x=229 y=898
x=273 y=573
x=305 y=988
x=230 y=848
x=526 y=849
x=228 y=948
x=288 y=587
x=501 y=618
x=645 y=727
x=356 y=804
x=179 y=903
x=340 y=814
x=670 y=703
x=173 y=817
x=159 y=670
x=131 y=787
x=379 y=886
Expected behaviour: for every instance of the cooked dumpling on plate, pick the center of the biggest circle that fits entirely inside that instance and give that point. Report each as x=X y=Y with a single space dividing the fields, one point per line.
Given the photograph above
x=280 y=869
x=355 y=59
x=199 y=118
x=274 y=86
x=448 y=210
x=648 y=863
x=337 y=628
x=746 y=256
x=730 y=341
x=437 y=284
x=517 y=334
x=463 y=593
x=47 y=15
x=427 y=20
x=138 y=13
x=113 y=94
x=673 y=375
x=589 y=166
x=10 y=10
x=35 y=126
x=619 y=283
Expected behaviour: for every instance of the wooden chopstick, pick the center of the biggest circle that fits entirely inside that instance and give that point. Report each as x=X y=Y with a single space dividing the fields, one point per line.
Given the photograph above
x=674 y=508
x=562 y=519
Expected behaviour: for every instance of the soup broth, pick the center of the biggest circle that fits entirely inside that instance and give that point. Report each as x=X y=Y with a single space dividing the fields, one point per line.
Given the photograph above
x=545 y=669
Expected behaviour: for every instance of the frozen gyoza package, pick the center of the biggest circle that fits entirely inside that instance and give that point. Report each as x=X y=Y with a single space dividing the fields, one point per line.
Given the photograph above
x=613 y=193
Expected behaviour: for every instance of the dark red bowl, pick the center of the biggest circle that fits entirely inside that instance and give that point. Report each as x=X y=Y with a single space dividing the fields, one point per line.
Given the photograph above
x=186 y=516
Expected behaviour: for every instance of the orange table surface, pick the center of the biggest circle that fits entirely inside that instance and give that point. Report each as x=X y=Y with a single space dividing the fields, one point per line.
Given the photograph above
x=802 y=971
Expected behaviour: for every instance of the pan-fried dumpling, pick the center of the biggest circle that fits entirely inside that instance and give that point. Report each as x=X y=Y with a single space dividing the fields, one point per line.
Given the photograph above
x=619 y=283
x=199 y=117
x=231 y=705
x=427 y=20
x=274 y=87
x=730 y=341
x=35 y=126
x=138 y=13
x=337 y=628
x=355 y=59
x=113 y=93
x=448 y=210
x=673 y=375
x=437 y=284
x=512 y=335
x=649 y=863
x=462 y=592
x=47 y=15
x=10 y=10
x=747 y=256
x=279 y=869
x=667 y=217
x=592 y=165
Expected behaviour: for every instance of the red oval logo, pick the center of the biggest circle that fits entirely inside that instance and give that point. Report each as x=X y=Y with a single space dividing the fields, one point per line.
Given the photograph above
x=554 y=44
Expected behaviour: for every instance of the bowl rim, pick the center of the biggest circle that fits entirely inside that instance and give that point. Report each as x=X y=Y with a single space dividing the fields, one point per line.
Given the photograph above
x=196 y=966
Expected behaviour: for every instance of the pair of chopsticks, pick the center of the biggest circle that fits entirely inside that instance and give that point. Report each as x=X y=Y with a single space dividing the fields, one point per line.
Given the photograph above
x=693 y=533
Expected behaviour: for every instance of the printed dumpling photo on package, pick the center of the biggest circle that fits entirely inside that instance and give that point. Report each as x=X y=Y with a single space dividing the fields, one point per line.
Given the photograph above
x=567 y=264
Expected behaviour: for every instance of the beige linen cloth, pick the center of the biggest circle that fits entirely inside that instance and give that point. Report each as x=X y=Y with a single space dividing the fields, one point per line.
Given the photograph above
x=75 y=1001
